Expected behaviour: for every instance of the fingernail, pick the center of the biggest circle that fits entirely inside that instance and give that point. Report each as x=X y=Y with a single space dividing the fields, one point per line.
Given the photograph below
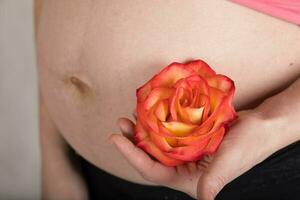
x=119 y=123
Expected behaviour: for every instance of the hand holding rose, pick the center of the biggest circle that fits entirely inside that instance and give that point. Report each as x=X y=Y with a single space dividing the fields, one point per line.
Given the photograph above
x=248 y=142
x=257 y=134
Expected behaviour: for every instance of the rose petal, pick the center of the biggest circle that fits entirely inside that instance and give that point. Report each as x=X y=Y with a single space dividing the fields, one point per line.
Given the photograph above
x=140 y=133
x=159 y=141
x=143 y=92
x=147 y=118
x=183 y=115
x=176 y=107
x=156 y=95
x=163 y=131
x=197 y=138
x=215 y=141
x=182 y=83
x=178 y=128
x=141 y=114
x=152 y=120
x=205 y=128
x=202 y=101
x=172 y=141
x=186 y=88
x=199 y=83
x=162 y=110
x=221 y=82
x=194 y=114
x=145 y=110
x=194 y=152
x=223 y=114
x=216 y=98
x=201 y=68
x=170 y=75
x=188 y=153
x=149 y=147
x=175 y=102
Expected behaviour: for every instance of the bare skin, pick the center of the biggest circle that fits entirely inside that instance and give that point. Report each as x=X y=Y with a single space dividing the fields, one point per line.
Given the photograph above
x=92 y=55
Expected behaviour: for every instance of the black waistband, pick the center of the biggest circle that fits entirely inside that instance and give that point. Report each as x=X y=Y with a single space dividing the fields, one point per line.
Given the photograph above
x=278 y=177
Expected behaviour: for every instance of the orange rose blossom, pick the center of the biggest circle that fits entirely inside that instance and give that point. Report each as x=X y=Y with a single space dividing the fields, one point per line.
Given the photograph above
x=183 y=112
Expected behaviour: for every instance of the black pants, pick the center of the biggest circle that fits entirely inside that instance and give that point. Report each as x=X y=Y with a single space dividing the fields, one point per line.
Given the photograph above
x=277 y=178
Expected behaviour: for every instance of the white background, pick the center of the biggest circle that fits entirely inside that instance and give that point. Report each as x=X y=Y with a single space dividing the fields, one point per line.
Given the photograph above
x=19 y=149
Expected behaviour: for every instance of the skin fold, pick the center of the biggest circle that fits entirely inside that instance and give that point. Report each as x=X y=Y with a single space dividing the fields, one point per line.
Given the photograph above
x=92 y=55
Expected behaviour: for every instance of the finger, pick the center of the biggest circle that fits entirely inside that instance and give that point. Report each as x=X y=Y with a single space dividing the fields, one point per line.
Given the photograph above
x=192 y=166
x=202 y=165
x=217 y=174
x=140 y=160
x=208 y=158
x=204 y=162
x=127 y=127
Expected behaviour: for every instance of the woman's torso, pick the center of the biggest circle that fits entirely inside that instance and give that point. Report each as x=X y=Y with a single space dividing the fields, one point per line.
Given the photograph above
x=94 y=54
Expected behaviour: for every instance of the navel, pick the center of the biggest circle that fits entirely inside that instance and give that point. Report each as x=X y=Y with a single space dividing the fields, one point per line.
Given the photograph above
x=80 y=85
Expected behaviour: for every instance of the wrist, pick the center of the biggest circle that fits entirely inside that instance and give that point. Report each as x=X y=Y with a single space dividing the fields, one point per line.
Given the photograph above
x=279 y=128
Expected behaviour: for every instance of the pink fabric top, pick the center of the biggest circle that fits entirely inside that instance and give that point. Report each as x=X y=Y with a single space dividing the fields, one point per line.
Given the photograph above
x=288 y=10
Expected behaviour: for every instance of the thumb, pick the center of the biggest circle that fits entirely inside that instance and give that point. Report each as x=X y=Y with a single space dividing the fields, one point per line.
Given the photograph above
x=209 y=185
x=224 y=167
x=127 y=127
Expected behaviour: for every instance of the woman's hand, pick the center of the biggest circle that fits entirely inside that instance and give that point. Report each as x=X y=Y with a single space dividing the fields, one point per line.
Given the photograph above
x=183 y=178
x=257 y=134
x=248 y=142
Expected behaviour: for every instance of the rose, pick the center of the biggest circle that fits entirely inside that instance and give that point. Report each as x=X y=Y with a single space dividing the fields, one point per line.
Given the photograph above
x=183 y=112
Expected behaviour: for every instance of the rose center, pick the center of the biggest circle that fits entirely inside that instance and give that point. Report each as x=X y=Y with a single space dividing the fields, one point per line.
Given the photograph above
x=184 y=102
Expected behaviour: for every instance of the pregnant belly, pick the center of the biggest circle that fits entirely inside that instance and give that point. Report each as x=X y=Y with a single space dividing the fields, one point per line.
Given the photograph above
x=92 y=57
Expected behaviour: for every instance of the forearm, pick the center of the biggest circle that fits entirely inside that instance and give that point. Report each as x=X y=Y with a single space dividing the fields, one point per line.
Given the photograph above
x=60 y=177
x=282 y=115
